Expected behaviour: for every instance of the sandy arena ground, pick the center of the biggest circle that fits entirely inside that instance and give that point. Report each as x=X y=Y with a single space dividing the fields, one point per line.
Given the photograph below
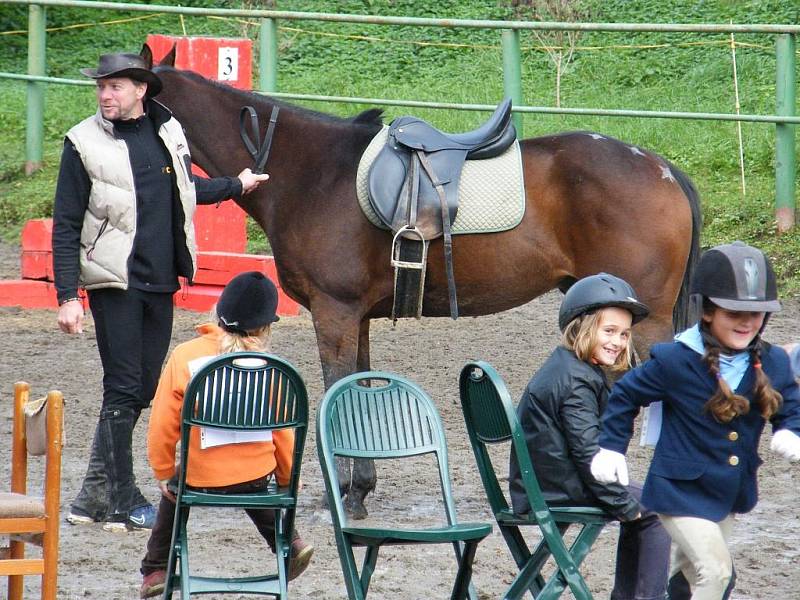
x=102 y=565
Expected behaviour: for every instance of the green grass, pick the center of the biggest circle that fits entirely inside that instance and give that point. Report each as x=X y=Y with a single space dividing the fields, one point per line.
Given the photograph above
x=324 y=58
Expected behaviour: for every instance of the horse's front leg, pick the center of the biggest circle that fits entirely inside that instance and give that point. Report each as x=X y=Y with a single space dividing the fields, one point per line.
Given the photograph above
x=339 y=330
x=364 y=474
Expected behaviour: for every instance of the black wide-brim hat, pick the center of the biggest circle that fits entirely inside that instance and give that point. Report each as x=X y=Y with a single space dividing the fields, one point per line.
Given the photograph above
x=125 y=65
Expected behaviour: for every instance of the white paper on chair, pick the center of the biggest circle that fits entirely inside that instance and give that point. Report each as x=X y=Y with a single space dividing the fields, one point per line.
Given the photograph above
x=213 y=436
x=651 y=425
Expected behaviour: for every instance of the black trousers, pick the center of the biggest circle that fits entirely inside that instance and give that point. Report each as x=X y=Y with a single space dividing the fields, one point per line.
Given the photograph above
x=133 y=330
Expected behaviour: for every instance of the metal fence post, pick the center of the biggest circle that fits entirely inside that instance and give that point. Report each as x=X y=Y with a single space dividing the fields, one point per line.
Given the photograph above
x=34 y=127
x=268 y=56
x=512 y=73
x=785 y=161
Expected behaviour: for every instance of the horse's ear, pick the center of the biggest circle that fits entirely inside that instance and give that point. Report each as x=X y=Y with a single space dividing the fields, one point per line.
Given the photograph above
x=147 y=54
x=169 y=58
x=372 y=116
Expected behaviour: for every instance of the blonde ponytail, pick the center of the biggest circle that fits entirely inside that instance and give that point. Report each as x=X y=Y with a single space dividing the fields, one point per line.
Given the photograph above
x=254 y=341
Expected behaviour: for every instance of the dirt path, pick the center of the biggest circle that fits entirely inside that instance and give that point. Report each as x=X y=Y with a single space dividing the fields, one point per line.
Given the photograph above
x=97 y=564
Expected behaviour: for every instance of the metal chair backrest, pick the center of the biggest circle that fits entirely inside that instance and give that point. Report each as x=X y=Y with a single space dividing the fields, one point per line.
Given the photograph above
x=246 y=391
x=380 y=415
x=491 y=418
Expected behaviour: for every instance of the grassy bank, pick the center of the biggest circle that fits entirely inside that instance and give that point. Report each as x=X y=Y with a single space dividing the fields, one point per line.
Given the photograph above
x=688 y=72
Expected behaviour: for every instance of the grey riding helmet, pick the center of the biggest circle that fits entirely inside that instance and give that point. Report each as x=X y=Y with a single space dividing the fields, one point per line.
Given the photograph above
x=737 y=277
x=599 y=291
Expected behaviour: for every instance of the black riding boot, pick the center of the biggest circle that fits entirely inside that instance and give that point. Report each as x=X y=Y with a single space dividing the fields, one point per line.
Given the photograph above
x=92 y=500
x=116 y=432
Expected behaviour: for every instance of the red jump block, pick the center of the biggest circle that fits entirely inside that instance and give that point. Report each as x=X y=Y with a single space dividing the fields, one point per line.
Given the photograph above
x=228 y=60
x=201 y=298
x=198 y=298
x=218 y=268
x=37 y=236
x=28 y=294
x=37 y=265
x=37 y=249
x=220 y=228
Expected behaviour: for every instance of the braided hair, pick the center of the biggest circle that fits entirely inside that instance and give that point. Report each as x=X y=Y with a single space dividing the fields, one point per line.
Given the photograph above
x=725 y=404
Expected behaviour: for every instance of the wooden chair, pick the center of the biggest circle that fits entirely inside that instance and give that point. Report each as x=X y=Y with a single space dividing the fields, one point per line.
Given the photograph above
x=242 y=391
x=28 y=519
x=492 y=419
x=391 y=419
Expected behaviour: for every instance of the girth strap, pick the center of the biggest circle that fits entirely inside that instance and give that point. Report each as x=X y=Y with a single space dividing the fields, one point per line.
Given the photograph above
x=446 y=232
x=258 y=149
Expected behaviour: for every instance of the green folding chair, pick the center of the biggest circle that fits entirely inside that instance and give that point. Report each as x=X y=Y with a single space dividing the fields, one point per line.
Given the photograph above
x=492 y=419
x=379 y=415
x=242 y=391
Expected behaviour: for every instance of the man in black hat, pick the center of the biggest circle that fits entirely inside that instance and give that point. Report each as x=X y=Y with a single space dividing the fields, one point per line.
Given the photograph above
x=122 y=230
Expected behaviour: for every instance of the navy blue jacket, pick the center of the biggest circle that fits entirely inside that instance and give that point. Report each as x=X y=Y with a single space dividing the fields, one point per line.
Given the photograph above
x=701 y=467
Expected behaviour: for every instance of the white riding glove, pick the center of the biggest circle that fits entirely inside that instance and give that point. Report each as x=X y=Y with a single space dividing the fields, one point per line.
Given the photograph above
x=609 y=466
x=786 y=443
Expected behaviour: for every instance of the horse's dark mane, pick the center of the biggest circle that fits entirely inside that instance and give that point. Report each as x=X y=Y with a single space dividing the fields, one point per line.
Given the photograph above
x=371 y=117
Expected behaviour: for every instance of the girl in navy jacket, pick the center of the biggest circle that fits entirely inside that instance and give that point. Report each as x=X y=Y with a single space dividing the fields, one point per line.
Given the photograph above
x=719 y=383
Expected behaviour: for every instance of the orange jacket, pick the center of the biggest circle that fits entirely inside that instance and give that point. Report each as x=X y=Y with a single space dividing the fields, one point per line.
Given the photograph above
x=216 y=466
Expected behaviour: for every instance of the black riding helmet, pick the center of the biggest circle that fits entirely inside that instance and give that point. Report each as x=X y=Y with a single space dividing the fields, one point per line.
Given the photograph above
x=247 y=303
x=599 y=291
x=737 y=277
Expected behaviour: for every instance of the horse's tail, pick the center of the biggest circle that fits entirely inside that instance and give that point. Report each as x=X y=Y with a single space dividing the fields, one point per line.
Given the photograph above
x=684 y=312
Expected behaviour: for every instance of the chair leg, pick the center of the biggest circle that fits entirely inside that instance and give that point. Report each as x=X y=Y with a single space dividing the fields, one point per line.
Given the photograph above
x=531 y=563
x=16 y=550
x=579 y=550
x=50 y=556
x=567 y=573
x=462 y=586
x=174 y=562
x=459 y=550
x=352 y=580
x=183 y=543
x=368 y=568
x=169 y=581
x=529 y=577
x=282 y=552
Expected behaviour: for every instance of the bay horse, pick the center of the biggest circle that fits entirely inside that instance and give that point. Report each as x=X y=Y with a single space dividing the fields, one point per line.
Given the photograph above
x=593 y=204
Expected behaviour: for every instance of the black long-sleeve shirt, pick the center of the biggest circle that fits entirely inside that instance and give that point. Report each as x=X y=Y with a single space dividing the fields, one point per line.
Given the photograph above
x=152 y=264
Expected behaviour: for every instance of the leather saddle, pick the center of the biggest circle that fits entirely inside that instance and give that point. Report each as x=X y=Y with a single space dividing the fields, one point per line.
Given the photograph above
x=413 y=188
x=418 y=157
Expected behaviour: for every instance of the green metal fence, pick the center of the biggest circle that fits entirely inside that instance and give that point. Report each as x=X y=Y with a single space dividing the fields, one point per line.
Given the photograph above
x=785 y=118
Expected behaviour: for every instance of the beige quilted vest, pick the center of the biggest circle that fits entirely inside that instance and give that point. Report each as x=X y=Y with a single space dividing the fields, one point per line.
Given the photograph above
x=109 y=225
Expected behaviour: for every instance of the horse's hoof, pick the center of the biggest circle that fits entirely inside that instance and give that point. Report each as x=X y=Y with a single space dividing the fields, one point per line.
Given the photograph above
x=356 y=509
